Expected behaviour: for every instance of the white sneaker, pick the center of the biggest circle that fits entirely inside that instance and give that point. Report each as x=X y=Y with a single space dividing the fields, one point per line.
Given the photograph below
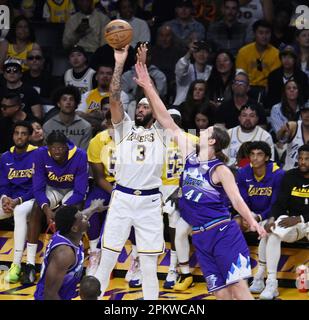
x=257 y=286
x=134 y=268
x=136 y=281
x=93 y=263
x=171 y=279
x=271 y=290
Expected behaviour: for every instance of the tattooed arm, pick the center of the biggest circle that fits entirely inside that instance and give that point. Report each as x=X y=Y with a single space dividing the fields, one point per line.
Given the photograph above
x=115 y=88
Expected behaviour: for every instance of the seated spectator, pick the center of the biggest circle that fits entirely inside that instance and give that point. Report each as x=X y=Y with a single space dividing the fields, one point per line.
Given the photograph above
x=295 y=134
x=242 y=157
x=253 y=10
x=184 y=25
x=202 y=119
x=19 y=41
x=227 y=114
x=31 y=101
x=259 y=184
x=85 y=27
x=16 y=192
x=282 y=32
x=302 y=38
x=247 y=130
x=288 y=108
x=60 y=176
x=288 y=222
x=67 y=121
x=221 y=78
x=141 y=32
x=38 y=76
x=11 y=112
x=91 y=105
x=288 y=71
x=37 y=138
x=165 y=54
x=228 y=33
x=196 y=98
x=80 y=75
x=192 y=66
x=58 y=11
x=259 y=59
x=129 y=86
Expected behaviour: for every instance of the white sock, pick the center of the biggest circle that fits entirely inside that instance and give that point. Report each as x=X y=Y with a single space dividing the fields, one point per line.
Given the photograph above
x=150 y=283
x=31 y=253
x=273 y=252
x=107 y=263
x=93 y=244
x=173 y=260
x=134 y=253
x=185 y=269
x=181 y=240
x=262 y=259
x=20 y=230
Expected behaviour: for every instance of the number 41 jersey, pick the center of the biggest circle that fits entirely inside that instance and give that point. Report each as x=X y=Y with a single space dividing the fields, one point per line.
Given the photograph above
x=201 y=200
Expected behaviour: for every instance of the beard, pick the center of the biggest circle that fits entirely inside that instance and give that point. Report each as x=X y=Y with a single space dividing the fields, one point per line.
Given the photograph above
x=143 y=122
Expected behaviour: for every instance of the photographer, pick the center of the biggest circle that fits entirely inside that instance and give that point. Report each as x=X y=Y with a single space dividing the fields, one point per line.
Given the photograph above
x=192 y=66
x=85 y=28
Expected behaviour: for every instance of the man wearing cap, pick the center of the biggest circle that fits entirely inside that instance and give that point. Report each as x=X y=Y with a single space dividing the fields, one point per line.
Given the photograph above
x=80 y=75
x=75 y=128
x=295 y=134
x=288 y=71
x=184 y=25
x=31 y=102
x=228 y=33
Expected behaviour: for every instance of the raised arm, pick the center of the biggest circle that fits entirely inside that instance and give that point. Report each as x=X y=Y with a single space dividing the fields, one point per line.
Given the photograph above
x=224 y=176
x=115 y=88
x=159 y=110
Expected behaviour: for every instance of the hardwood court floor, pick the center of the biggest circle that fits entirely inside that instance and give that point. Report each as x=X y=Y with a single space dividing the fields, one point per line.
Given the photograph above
x=119 y=290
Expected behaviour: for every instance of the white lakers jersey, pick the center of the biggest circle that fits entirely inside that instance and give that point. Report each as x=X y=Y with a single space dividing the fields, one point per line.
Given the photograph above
x=292 y=148
x=83 y=84
x=140 y=155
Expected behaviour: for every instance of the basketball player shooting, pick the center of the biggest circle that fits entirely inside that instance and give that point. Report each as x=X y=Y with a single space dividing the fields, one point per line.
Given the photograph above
x=136 y=200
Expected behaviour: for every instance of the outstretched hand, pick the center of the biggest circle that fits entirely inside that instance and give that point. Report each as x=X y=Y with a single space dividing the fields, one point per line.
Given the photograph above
x=97 y=205
x=141 y=55
x=143 y=78
x=120 y=55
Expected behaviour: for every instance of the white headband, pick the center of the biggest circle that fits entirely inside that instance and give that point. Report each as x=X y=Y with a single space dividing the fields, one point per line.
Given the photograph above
x=144 y=101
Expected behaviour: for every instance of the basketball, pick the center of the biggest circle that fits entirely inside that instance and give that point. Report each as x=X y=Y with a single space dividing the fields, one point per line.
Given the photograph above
x=118 y=33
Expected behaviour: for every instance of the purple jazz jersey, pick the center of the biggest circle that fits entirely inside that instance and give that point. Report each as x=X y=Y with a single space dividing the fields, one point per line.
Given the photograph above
x=202 y=201
x=223 y=255
x=97 y=219
x=74 y=274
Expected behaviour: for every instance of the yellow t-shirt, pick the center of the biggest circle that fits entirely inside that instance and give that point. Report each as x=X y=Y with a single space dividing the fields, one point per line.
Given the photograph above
x=101 y=149
x=91 y=100
x=60 y=13
x=21 y=56
x=174 y=164
x=247 y=60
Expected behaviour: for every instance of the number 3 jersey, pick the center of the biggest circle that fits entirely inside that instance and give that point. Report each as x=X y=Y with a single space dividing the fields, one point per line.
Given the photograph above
x=73 y=275
x=140 y=154
x=201 y=200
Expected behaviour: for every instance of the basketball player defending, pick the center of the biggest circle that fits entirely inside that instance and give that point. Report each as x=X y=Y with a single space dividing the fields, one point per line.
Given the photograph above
x=136 y=200
x=221 y=249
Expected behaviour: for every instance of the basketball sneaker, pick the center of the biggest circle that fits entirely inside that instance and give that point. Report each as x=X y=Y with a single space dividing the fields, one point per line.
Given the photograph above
x=134 y=268
x=136 y=280
x=184 y=282
x=93 y=262
x=28 y=274
x=13 y=275
x=257 y=286
x=171 y=279
x=271 y=290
